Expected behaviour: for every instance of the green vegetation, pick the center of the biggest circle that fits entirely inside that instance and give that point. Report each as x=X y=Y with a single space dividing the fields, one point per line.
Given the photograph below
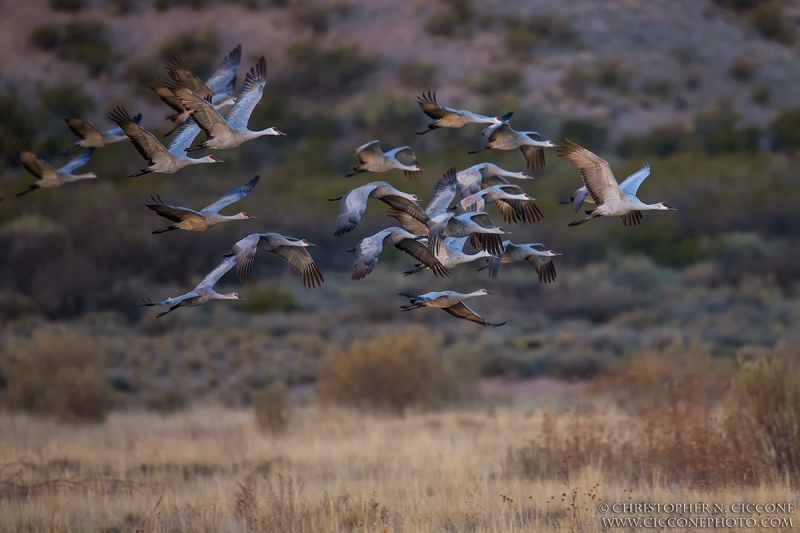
x=742 y=70
x=419 y=76
x=769 y=20
x=55 y=373
x=330 y=71
x=86 y=43
x=454 y=19
x=266 y=298
x=71 y=6
x=785 y=130
x=522 y=36
x=586 y=132
x=499 y=81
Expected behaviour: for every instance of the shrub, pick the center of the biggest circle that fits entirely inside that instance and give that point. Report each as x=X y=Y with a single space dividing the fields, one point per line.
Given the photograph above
x=390 y=373
x=661 y=88
x=785 y=130
x=328 y=72
x=763 y=408
x=45 y=37
x=266 y=298
x=59 y=373
x=662 y=142
x=83 y=42
x=315 y=17
x=498 y=81
x=417 y=75
x=742 y=70
x=73 y=6
x=453 y=20
x=199 y=51
x=65 y=96
x=612 y=75
x=769 y=21
x=523 y=35
x=592 y=133
x=271 y=405
x=762 y=94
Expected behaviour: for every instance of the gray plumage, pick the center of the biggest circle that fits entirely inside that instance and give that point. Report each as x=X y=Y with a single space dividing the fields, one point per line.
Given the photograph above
x=610 y=200
x=369 y=248
x=46 y=175
x=514 y=203
x=503 y=137
x=447 y=117
x=450 y=301
x=535 y=254
x=372 y=159
x=629 y=186
x=484 y=175
x=353 y=204
x=159 y=158
x=191 y=220
x=91 y=136
x=291 y=250
x=204 y=291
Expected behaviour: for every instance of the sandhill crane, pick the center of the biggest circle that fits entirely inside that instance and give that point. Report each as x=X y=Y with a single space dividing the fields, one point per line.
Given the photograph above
x=353 y=204
x=628 y=186
x=609 y=199
x=203 y=293
x=483 y=175
x=368 y=250
x=447 y=117
x=191 y=220
x=513 y=202
x=91 y=136
x=451 y=254
x=291 y=250
x=534 y=253
x=372 y=159
x=48 y=176
x=219 y=86
x=223 y=133
x=478 y=226
x=503 y=137
x=160 y=159
x=449 y=301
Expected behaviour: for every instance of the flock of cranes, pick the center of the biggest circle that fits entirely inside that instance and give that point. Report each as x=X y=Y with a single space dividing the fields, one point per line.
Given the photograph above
x=435 y=236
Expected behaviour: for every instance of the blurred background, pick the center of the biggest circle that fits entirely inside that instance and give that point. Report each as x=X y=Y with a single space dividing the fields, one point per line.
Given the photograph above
x=705 y=91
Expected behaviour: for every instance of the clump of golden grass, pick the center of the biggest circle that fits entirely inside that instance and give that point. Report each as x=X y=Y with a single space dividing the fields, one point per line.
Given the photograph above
x=271 y=405
x=56 y=372
x=390 y=372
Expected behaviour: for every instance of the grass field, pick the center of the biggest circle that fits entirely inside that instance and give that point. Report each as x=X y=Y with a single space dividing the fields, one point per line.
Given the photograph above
x=495 y=468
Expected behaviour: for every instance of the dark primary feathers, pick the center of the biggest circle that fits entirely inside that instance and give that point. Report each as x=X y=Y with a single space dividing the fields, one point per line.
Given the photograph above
x=460 y=310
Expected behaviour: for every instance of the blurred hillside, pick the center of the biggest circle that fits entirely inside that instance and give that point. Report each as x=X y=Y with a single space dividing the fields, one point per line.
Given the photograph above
x=704 y=90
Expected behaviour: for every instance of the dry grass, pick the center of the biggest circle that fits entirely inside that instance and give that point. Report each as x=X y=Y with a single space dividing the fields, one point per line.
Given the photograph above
x=212 y=470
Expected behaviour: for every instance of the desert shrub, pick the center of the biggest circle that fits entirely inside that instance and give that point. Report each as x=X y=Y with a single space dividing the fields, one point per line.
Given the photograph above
x=662 y=142
x=592 y=133
x=741 y=5
x=497 y=81
x=165 y=400
x=577 y=81
x=83 y=42
x=612 y=75
x=72 y=6
x=164 y=5
x=660 y=88
x=785 y=130
x=315 y=17
x=386 y=117
x=522 y=36
x=199 y=51
x=266 y=298
x=677 y=375
x=65 y=96
x=761 y=95
x=763 y=408
x=271 y=405
x=742 y=70
x=390 y=373
x=453 y=20
x=122 y=7
x=331 y=72
x=417 y=75
x=769 y=20
x=56 y=373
